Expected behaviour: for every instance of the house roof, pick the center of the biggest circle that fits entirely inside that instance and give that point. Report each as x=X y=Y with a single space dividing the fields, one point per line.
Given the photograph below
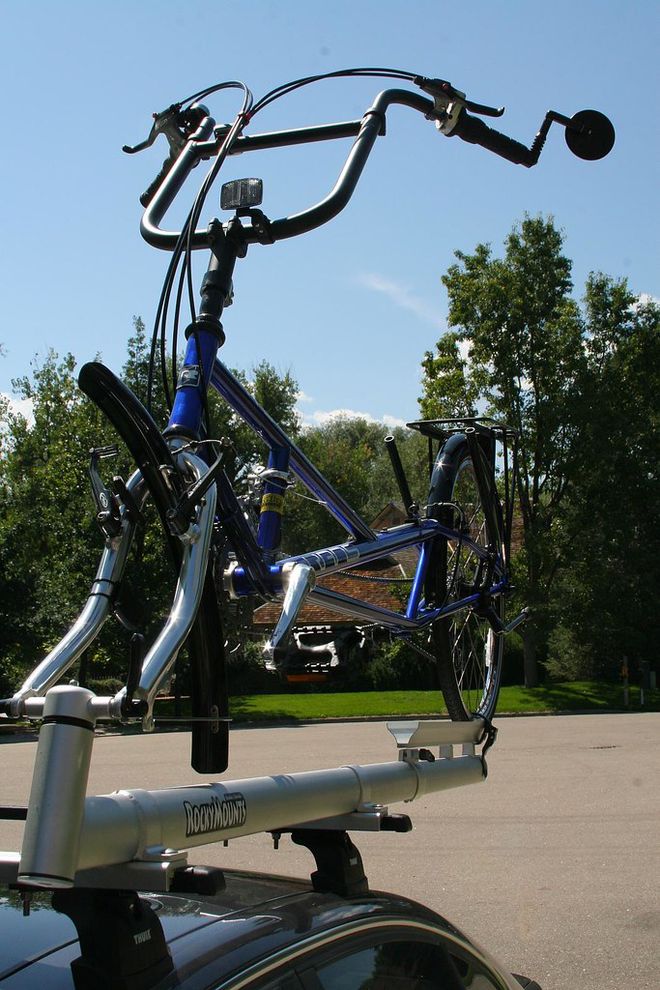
x=371 y=585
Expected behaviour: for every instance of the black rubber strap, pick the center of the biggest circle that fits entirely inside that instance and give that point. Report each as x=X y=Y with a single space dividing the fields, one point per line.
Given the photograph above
x=68 y=720
x=13 y=814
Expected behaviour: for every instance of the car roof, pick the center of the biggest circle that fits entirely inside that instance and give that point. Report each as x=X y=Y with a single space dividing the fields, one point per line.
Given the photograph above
x=254 y=916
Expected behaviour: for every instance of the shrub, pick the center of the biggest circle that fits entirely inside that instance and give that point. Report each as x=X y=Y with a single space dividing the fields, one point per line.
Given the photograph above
x=246 y=673
x=397 y=667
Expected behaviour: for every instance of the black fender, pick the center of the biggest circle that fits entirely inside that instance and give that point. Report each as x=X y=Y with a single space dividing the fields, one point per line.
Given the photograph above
x=205 y=643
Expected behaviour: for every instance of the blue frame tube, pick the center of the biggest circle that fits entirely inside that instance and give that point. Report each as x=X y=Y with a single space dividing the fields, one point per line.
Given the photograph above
x=272 y=501
x=385 y=617
x=415 y=596
x=393 y=620
x=274 y=436
x=344 y=556
x=368 y=545
x=186 y=416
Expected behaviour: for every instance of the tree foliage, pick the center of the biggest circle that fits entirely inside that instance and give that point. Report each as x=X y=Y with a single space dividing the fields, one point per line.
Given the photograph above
x=567 y=378
x=607 y=536
x=46 y=530
x=351 y=454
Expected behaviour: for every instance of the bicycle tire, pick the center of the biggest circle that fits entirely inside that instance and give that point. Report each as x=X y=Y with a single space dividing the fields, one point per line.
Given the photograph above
x=205 y=642
x=468 y=653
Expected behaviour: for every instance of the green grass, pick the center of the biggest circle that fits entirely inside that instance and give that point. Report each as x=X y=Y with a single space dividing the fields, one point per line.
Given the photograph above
x=355 y=704
x=574 y=696
x=583 y=696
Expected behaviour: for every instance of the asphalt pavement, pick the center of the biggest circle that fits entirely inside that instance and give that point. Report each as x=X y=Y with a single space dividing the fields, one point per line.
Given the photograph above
x=552 y=864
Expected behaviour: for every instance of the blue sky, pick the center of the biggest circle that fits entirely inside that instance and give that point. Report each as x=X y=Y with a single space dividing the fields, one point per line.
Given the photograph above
x=352 y=307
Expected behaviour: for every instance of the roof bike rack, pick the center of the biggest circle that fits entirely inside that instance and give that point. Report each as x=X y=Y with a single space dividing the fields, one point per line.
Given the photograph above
x=137 y=839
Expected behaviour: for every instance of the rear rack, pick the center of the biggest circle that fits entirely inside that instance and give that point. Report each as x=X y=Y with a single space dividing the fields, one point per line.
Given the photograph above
x=488 y=433
x=138 y=839
x=440 y=429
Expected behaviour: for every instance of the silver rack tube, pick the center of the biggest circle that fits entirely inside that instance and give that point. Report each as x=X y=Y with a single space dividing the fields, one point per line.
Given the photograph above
x=132 y=837
x=56 y=808
x=141 y=825
x=67 y=834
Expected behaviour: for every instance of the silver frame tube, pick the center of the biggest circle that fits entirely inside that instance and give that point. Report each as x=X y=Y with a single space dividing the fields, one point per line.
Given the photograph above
x=93 y=615
x=164 y=650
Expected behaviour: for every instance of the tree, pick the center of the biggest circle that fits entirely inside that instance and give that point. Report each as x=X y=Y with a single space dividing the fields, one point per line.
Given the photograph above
x=351 y=454
x=47 y=536
x=521 y=336
x=135 y=372
x=581 y=387
x=608 y=533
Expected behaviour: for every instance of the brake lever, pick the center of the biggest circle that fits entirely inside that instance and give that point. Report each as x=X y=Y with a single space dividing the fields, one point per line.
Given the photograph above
x=176 y=124
x=166 y=122
x=444 y=94
x=482 y=110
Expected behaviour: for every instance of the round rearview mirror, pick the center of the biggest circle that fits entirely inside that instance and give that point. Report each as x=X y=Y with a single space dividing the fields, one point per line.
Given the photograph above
x=590 y=135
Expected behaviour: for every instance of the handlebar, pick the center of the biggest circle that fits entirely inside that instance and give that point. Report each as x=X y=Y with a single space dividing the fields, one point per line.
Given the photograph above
x=366 y=131
x=589 y=134
x=154 y=186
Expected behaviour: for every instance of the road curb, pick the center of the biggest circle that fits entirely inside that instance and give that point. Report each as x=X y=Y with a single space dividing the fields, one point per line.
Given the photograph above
x=20 y=732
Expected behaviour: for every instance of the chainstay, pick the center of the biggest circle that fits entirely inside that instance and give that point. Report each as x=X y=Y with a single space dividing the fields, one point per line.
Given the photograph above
x=422 y=652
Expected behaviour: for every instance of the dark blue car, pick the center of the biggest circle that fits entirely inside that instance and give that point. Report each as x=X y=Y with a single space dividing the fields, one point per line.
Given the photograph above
x=257 y=931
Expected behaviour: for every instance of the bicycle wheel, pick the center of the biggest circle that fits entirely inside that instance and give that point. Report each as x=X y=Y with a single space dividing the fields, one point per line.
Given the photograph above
x=468 y=653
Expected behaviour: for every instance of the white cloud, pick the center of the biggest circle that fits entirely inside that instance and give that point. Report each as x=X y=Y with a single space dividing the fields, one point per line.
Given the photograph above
x=464 y=350
x=403 y=297
x=320 y=417
x=21 y=407
x=644 y=298
x=303 y=397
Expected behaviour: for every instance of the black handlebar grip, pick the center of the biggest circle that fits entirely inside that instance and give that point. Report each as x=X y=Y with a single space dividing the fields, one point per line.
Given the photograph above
x=149 y=194
x=474 y=131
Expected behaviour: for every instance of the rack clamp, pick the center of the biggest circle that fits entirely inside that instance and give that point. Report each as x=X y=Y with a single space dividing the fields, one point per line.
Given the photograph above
x=414 y=739
x=370 y=818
